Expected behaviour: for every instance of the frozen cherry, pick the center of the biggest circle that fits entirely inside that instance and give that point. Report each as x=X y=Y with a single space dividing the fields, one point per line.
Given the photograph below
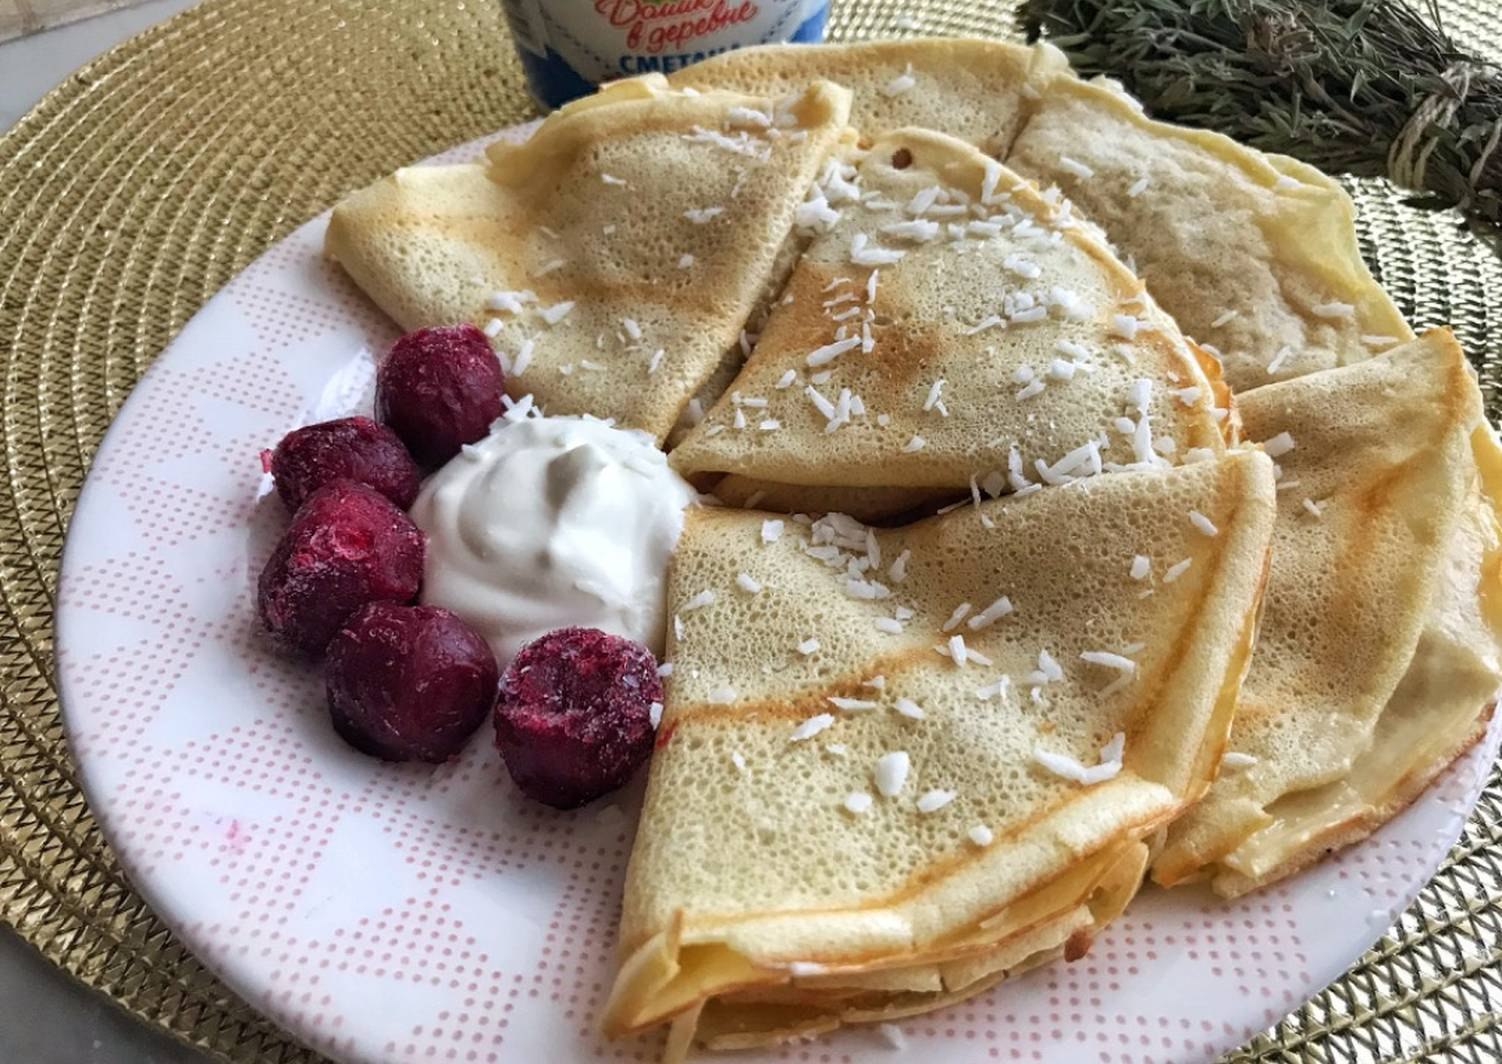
x=574 y=717
x=409 y=683
x=440 y=389
x=351 y=448
x=347 y=545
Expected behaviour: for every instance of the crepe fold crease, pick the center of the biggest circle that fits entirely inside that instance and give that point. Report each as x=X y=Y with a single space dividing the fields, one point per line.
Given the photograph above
x=1377 y=661
x=616 y=255
x=761 y=904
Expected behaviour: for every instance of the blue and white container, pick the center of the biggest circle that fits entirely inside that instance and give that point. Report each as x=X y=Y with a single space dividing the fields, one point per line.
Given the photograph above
x=570 y=46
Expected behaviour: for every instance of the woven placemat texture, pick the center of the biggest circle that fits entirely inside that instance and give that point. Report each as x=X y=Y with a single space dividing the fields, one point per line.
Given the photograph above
x=152 y=176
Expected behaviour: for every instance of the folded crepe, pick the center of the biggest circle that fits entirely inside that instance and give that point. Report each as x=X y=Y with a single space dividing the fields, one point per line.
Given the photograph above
x=616 y=255
x=895 y=766
x=950 y=327
x=1377 y=662
x=1253 y=254
x=975 y=89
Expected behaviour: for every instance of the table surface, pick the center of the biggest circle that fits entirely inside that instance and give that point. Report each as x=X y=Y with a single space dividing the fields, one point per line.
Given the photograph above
x=46 y=1017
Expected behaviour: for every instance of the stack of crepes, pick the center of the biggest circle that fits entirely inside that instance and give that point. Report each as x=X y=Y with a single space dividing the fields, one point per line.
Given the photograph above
x=1020 y=593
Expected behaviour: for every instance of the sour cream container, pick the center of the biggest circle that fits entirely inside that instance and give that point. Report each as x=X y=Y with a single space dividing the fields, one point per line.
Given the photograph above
x=568 y=47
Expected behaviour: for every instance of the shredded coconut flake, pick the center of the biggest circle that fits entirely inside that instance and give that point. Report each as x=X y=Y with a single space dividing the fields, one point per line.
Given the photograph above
x=934 y=800
x=908 y=708
x=1141 y=566
x=913 y=445
x=960 y=613
x=1137 y=187
x=1109 y=660
x=980 y=835
x=523 y=357
x=1176 y=570
x=890 y=625
x=863 y=255
x=1068 y=768
x=557 y=312
x=829 y=352
x=991 y=614
x=771 y=530
x=722 y=696
x=1203 y=523
x=699 y=601
x=1233 y=759
x=891 y=772
x=935 y=390
x=857 y=802
x=852 y=705
x=1284 y=354
x=1075 y=167
x=808 y=646
x=509 y=302
x=1313 y=508
x=811 y=727
x=748 y=583
x=685 y=261
x=1334 y=310
x=1279 y=445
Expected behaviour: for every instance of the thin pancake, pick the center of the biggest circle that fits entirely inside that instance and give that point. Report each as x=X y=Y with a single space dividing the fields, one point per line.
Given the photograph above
x=636 y=221
x=1377 y=658
x=971 y=88
x=739 y=875
x=1251 y=253
x=1213 y=226
x=994 y=358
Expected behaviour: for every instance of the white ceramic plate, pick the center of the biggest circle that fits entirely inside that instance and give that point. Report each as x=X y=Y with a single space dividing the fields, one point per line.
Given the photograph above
x=397 y=913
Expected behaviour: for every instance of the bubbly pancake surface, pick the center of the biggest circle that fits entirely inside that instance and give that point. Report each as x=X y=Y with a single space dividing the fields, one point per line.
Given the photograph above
x=749 y=858
x=950 y=323
x=616 y=255
x=1377 y=655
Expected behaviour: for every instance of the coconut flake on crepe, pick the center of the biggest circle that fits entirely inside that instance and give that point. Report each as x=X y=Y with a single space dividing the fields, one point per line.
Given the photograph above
x=922 y=310
x=694 y=245
x=1377 y=658
x=730 y=884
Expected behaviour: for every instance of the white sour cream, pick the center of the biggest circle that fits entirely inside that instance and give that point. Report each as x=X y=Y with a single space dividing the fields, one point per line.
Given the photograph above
x=550 y=522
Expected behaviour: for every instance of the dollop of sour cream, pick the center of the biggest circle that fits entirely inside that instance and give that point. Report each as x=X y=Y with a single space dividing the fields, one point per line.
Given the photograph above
x=550 y=522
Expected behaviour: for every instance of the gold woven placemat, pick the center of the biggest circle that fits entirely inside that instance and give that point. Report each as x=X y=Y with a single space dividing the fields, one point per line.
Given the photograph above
x=153 y=175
